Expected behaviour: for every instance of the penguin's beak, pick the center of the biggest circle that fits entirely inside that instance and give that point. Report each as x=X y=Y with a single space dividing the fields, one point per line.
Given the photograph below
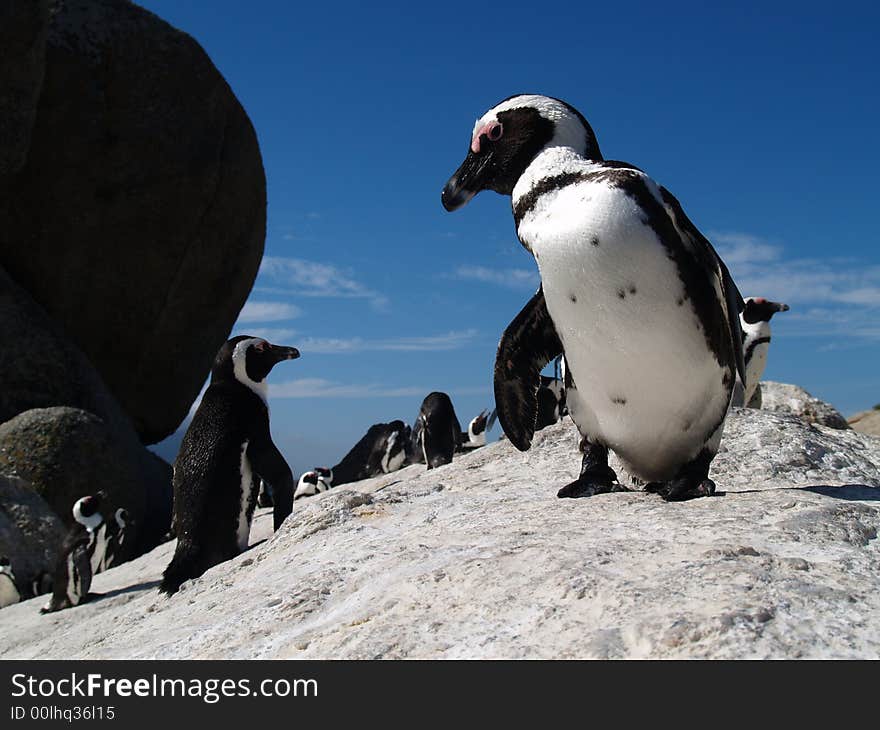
x=780 y=307
x=467 y=181
x=281 y=352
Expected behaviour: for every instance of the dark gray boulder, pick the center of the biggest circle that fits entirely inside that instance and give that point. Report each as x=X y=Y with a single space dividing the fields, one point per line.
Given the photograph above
x=30 y=532
x=137 y=220
x=23 y=27
x=67 y=453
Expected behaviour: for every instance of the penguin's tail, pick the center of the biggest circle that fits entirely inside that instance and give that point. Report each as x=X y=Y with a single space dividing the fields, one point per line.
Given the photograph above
x=185 y=564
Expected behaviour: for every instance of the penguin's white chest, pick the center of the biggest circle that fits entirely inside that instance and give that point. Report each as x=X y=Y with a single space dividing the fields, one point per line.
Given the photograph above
x=648 y=386
x=243 y=529
x=8 y=591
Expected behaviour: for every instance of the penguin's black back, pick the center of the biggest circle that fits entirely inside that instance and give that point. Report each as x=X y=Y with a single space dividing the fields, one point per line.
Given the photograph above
x=207 y=471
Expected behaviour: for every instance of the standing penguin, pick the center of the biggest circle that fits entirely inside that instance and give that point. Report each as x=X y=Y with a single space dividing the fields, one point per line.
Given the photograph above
x=437 y=433
x=227 y=443
x=9 y=593
x=73 y=569
x=551 y=402
x=755 y=321
x=631 y=293
x=112 y=542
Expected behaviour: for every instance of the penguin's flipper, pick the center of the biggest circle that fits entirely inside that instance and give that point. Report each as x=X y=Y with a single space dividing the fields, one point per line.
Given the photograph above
x=704 y=251
x=527 y=345
x=268 y=462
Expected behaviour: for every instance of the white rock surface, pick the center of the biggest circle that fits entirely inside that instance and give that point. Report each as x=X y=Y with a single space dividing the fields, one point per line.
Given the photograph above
x=788 y=398
x=480 y=559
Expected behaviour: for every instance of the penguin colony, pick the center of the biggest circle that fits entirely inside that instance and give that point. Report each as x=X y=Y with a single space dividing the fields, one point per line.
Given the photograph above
x=650 y=334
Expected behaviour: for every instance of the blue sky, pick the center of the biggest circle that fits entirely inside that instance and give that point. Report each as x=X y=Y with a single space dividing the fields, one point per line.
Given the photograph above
x=762 y=122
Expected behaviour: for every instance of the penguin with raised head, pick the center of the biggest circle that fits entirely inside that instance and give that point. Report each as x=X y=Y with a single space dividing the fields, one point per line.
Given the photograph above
x=320 y=479
x=227 y=444
x=755 y=322
x=475 y=436
x=9 y=592
x=632 y=294
x=73 y=568
x=437 y=433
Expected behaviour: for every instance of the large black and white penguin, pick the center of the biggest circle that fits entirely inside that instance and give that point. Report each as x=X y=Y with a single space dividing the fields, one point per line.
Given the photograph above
x=226 y=446
x=480 y=425
x=437 y=433
x=632 y=294
x=9 y=592
x=73 y=568
x=755 y=322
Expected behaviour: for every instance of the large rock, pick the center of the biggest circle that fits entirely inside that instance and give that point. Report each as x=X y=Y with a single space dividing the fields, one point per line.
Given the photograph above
x=138 y=218
x=40 y=367
x=866 y=421
x=23 y=27
x=480 y=559
x=787 y=398
x=66 y=453
x=30 y=532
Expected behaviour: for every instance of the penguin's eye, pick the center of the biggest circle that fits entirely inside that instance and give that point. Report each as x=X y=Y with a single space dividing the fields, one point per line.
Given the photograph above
x=494 y=132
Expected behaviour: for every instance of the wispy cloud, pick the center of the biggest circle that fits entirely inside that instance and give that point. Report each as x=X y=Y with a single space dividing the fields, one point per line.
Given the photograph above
x=254 y=311
x=321 y=388
x=837 y=296
x=276 y=335
x=342 y=346
x=511 y=278
x=299 y=277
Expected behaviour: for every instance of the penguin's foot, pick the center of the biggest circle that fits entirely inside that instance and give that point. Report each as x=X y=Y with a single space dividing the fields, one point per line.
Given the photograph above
x=680 y=490
x=590 y=483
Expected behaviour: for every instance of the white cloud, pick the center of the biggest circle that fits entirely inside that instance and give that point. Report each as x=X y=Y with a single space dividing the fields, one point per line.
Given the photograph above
x=833 y=296
x=320 y=388
x=268 y=312
x=275 y=335
x=512 y=278
x=336 y=346
x=315 y=279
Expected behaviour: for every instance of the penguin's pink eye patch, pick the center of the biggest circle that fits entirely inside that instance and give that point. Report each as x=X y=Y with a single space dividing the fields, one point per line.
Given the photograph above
x=493 y=131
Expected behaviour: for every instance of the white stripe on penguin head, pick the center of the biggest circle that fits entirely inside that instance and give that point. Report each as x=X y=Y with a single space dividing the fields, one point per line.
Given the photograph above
x=239 y=368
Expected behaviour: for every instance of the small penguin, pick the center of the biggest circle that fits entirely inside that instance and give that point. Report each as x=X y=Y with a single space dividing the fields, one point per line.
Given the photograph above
x=227 y=444
x=382 y=449
x=264 y=498
x=9 y=593
x=112 y=544
x=551 y=402
x=73 y=569
x=320 y=479
x=475 y=437
x=755 y=321
x=437 y=433
x=41 y=583
x=634 y=296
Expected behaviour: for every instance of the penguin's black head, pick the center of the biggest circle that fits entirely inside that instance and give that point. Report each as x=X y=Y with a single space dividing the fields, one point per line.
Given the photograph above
x=90 y=505
x=324 y=473
x=478 y=424
x=245 y=358
x=758 y=309
x=508 y=137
